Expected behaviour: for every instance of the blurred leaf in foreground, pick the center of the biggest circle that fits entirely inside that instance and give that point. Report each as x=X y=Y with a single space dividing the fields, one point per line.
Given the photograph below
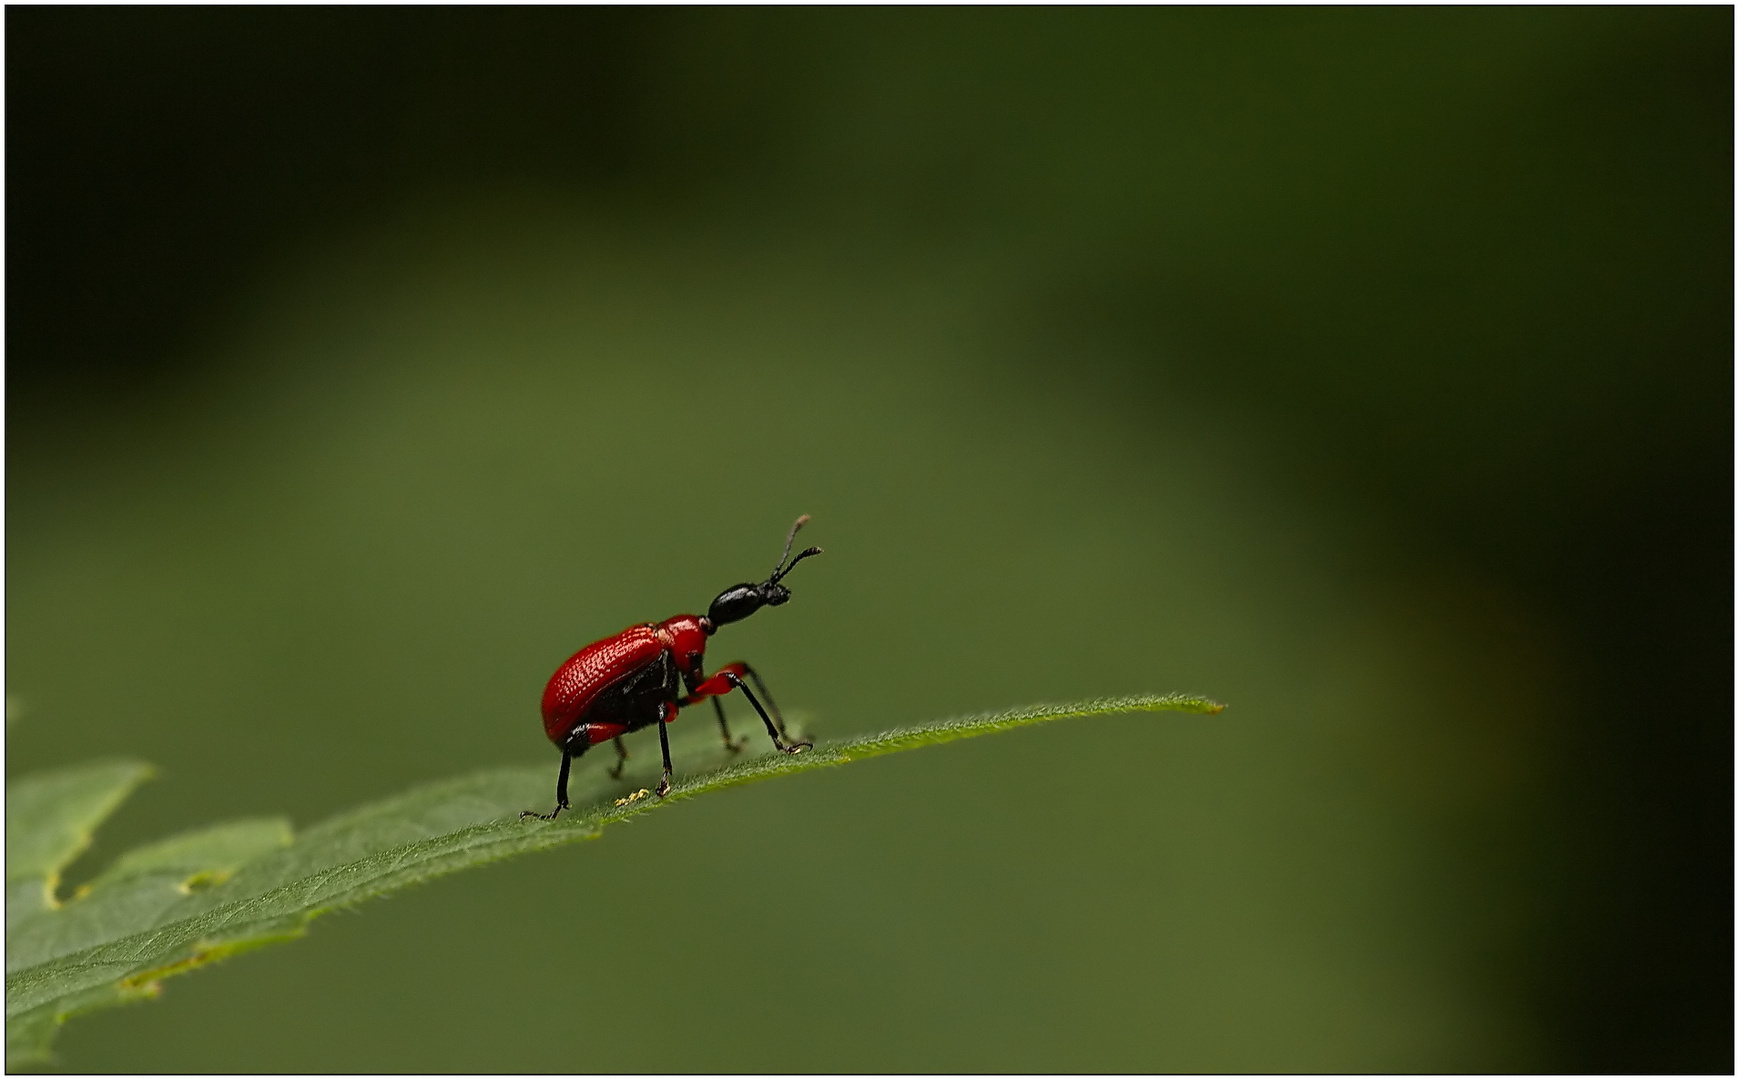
x=173 y=905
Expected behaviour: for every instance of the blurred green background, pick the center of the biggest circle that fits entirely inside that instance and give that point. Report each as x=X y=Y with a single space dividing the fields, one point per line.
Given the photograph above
x=1370 y=370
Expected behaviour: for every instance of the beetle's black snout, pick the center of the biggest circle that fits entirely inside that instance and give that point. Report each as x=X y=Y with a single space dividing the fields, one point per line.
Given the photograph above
x=740 y=601
x=736 y=604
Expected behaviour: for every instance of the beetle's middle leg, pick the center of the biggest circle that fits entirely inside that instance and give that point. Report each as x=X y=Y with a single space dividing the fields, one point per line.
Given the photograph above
x=667 y=713
x=621 y=759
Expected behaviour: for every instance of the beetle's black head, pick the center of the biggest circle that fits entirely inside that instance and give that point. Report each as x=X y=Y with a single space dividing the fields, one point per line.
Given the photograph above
x=740 y=601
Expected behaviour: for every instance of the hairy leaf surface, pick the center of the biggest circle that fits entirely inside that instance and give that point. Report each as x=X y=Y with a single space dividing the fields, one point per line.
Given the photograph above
x=173 y=905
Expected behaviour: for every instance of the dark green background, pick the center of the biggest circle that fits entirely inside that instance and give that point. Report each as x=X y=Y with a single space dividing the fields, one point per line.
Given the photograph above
x=1369 y=370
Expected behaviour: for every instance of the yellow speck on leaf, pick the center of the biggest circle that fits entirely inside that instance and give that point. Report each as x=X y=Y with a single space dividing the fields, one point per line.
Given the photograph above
x=636 y=797
x=205 y=879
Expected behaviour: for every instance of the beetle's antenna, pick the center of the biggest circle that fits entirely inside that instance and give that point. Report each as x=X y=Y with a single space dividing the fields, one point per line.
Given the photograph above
x=781 y=568
x=801 y=555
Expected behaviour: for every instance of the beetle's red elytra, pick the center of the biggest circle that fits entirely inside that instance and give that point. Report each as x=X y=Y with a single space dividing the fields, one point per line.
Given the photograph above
x=636 y=678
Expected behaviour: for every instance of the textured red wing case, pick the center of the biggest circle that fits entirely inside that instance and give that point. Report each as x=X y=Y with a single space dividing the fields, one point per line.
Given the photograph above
x=577 y=683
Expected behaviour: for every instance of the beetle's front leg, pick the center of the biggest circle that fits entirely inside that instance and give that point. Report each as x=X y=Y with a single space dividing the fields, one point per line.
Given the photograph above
x=735 y=746
x=730 y=677
x=695 y=678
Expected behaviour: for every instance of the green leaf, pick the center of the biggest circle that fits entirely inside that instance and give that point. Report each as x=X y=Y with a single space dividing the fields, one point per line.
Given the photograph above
x=49 y=820
x=177 y=904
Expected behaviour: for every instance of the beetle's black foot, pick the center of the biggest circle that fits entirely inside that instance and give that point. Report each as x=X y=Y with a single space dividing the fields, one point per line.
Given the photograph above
x=798 y=747
x=616 y=773
x=736 y=746
x=663 y=786
x=551 y=816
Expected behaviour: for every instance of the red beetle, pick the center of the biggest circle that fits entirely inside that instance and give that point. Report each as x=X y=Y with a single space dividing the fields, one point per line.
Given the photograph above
x=631 y=680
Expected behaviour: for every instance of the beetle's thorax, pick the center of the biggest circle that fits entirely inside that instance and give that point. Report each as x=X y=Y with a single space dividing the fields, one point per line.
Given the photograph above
x=685 y=636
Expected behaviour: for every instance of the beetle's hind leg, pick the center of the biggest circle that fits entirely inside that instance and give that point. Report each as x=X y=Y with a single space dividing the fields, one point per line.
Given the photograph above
x=578 y=742
x=621 y=759
x=561 y=792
